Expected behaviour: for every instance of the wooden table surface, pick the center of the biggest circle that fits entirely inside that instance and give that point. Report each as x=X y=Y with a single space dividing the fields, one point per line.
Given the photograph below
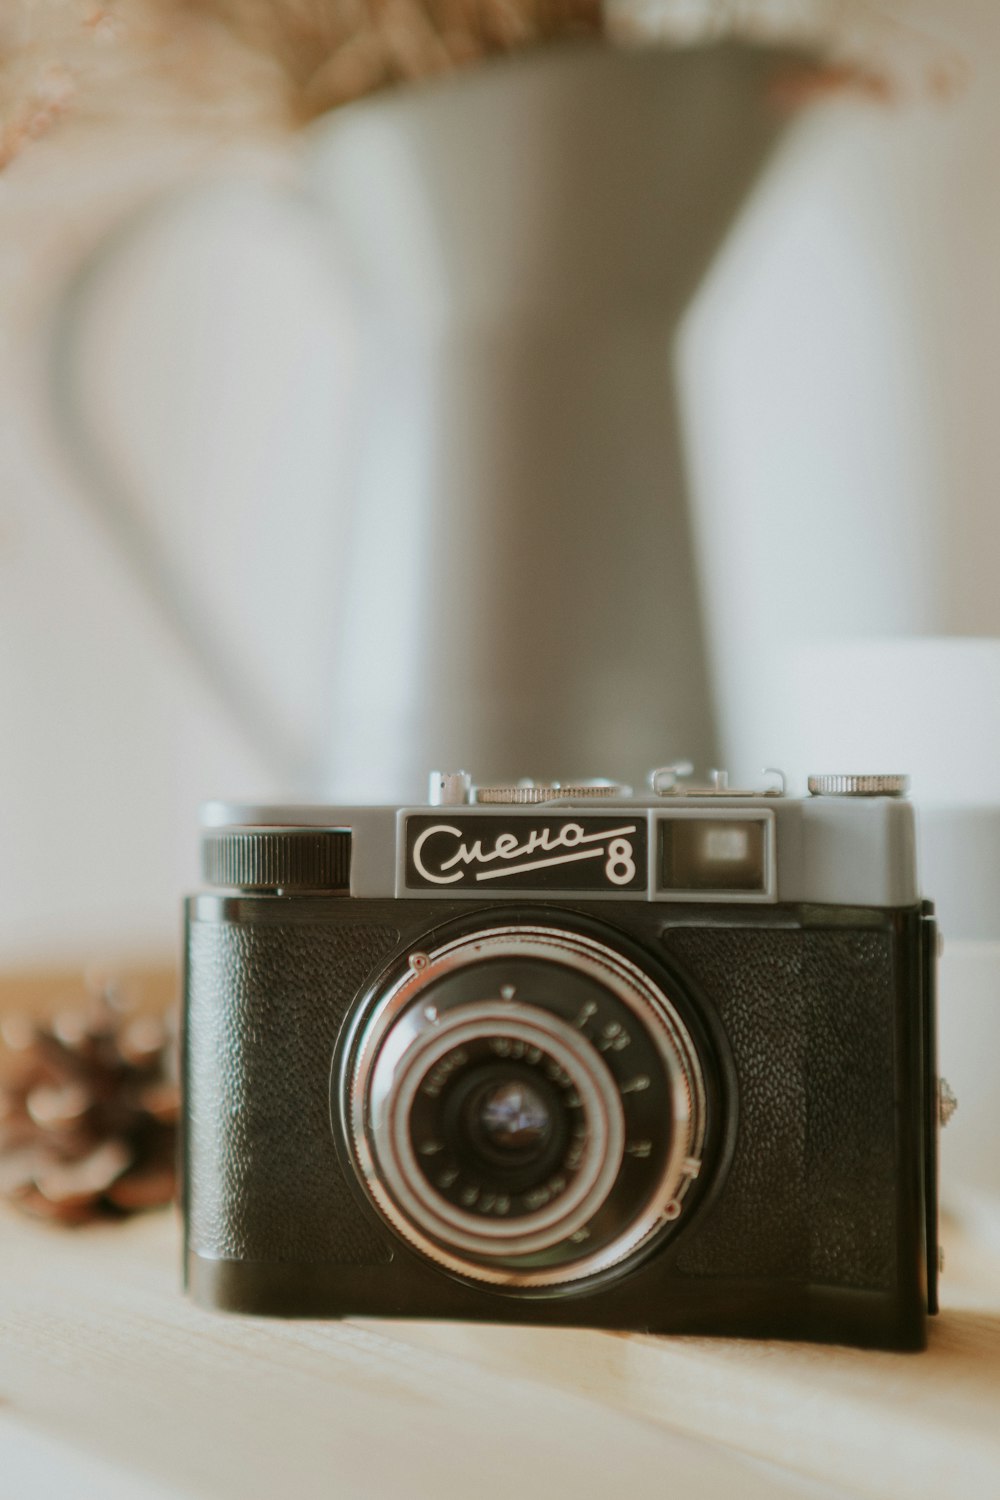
x=113 y=1385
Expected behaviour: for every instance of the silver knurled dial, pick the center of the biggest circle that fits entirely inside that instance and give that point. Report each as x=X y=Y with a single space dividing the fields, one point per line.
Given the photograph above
x=532 y=794
x=859 y=786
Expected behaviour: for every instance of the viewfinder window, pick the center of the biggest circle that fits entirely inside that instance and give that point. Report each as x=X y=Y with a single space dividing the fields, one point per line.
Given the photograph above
x=718 y=855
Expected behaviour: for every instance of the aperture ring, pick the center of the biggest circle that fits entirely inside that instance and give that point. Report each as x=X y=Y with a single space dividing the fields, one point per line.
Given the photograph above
x=393 y=1090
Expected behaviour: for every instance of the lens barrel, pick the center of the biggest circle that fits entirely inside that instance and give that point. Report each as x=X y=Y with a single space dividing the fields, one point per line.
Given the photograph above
x=525 y=1106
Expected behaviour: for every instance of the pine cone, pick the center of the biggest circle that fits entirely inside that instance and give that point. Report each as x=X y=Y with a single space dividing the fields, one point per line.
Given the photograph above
x=88 y=1112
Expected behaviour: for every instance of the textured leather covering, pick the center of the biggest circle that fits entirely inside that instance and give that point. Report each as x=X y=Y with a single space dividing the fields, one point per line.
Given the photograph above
x=265 y=1004
x=811 y=1192
x=812 y=1009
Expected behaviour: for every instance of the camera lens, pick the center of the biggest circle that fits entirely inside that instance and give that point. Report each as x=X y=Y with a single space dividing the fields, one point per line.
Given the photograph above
x=525 y=1106
x=439 y=1159
x=511 y=1118
x=505 y=1120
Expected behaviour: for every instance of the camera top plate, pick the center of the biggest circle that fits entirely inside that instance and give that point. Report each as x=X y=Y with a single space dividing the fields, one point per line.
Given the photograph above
x=598 y=841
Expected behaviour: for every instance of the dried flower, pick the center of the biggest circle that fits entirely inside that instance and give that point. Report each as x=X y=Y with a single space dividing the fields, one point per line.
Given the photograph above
x=220 y=61
x=37 y=113
x=332 y=51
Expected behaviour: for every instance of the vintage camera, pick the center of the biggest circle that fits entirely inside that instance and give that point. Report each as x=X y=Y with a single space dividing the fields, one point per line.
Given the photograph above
x=561 y=1054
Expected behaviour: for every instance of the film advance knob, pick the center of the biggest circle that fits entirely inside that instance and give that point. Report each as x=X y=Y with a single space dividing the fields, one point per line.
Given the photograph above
x=279 y=859
x=859 y=786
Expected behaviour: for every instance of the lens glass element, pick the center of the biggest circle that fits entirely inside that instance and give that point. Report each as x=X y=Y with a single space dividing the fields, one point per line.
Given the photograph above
x=512 y=1117
x=497 y=1134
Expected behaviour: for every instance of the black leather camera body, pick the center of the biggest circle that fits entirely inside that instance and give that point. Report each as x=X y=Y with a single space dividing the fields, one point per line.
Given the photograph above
x=567 y=1056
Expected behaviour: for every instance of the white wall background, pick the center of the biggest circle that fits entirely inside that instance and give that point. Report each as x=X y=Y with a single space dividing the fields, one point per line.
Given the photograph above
x=213 y=357
x=841 y=372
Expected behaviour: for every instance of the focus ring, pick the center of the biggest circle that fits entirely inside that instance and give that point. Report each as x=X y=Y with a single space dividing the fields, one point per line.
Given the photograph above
x=314 y=859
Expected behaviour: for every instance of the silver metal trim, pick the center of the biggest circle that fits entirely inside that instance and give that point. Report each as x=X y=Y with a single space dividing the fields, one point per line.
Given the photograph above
x=664 y=781
x=634 y=989
x=449 y=789
x=671 y=781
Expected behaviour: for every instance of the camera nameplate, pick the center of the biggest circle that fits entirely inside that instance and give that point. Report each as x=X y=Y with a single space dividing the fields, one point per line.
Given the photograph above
x=533 y=852
x=545 y=853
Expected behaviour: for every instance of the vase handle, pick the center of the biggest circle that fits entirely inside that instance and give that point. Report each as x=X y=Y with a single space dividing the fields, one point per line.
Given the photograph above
x=114 y=501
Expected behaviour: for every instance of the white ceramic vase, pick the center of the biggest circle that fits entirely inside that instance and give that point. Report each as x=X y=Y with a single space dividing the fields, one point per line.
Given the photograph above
x=521 y=593
x=510 y=576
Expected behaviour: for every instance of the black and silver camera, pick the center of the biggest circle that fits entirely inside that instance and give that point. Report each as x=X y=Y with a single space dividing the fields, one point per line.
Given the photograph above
x=562 y=1054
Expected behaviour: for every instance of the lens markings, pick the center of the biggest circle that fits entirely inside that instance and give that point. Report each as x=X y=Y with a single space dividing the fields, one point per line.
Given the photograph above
x=635 y=1085
x=442 y=1071
x=613 y=1038
x=459 y=1181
